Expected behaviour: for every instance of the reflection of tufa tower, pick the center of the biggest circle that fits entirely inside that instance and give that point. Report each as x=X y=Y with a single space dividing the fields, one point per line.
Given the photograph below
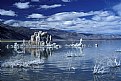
x=41 y=38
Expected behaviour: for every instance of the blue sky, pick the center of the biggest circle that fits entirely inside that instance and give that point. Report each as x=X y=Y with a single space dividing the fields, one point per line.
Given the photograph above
x=83 y=16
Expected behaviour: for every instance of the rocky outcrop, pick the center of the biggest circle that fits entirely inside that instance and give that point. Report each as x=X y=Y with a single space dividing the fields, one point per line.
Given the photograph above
x=41 y=38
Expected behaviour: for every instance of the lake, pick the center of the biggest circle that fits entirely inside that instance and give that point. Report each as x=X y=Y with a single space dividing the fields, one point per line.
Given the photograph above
x=90 y=63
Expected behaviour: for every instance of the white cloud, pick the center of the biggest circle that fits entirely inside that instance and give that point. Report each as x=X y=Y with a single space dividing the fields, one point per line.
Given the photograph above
x=107 y=18
x=1 y=19
x=32 y=24
x=112 y=18
x=101 y=22
x=67 y=16
x=50 y=6
x=11 y=21
x=66 y=0
x=104 y=16
x=35 y=0
x=104 y=13
x=7 y=13
x=68 y=23
x=35 y=15
x=97 y=18
x=117 y=8
x=21 y=5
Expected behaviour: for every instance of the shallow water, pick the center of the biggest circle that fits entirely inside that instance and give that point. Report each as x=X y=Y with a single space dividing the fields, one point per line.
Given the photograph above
x=63 y=64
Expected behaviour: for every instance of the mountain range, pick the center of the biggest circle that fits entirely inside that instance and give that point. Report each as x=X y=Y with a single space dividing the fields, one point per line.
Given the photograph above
x=18 y=33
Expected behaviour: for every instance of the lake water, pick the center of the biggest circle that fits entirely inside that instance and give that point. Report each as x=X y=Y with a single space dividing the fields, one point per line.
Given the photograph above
x=63 y=64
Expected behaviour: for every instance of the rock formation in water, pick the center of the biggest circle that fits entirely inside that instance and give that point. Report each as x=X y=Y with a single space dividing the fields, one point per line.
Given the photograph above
x=40 y=38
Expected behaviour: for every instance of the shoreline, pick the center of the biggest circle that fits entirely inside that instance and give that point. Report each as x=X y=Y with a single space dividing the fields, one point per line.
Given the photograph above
x=56 y=40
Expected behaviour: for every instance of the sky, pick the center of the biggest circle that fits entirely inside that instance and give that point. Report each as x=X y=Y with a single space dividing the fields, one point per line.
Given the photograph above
x=82 y=16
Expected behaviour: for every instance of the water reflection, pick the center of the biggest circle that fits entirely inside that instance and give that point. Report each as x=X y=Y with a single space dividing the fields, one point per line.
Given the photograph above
x=64 y=64
x=68 y=58
x=14 y=74
x=111 y=76
x=4 y=51
x=39 y=53
x=75 y=52
x=35 y=52
x=27 y=57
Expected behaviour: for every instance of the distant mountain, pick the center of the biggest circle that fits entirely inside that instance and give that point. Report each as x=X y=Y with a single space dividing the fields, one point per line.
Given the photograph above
x=19 y=33
x=8 y=32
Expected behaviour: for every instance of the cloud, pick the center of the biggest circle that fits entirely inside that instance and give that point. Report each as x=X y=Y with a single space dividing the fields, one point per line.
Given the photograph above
x=35 y=15
x=50 y=6
x=7 y=13
x=117 y=8
x=112 y=18
x=100 y=22
x=105 y=16
x=1 y=19
x=68 y=23
x=35 y=0
x=11 y=21
x=67 y=16
x=30 y=24
x=66 y=0
x=21 y=5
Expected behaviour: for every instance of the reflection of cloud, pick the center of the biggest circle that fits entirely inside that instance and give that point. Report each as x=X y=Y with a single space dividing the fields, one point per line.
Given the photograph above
x=21 y=5
x=7 y=13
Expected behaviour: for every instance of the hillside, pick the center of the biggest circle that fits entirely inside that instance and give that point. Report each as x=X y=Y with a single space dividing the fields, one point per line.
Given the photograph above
x=7 y=32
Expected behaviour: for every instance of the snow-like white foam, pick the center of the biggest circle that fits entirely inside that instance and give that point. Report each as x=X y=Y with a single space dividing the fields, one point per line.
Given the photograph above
x=19 y=61
x=114 y=62
x=100 y=69
x=104 y=64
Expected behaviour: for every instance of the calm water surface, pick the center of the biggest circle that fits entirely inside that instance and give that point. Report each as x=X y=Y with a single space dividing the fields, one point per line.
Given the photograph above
x=63 y=64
